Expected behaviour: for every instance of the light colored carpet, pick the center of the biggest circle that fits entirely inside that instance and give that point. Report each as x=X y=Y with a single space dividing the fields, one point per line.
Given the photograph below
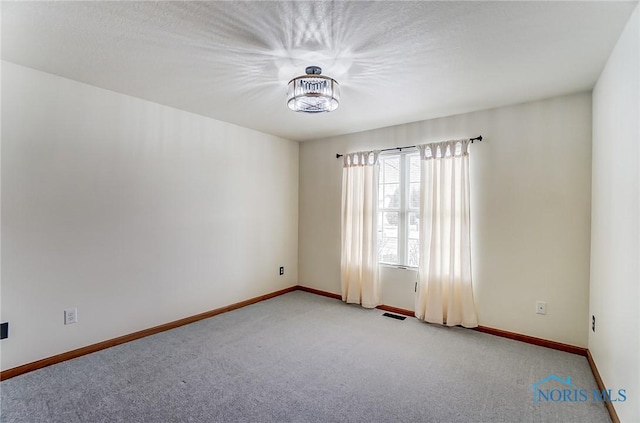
x=303 y=358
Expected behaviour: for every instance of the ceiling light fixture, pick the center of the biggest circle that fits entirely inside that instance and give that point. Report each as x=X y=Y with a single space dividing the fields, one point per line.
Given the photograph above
x=313 y=93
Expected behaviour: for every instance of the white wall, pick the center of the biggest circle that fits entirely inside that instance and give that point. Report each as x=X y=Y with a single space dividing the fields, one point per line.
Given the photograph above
x=615 y=227
x=530 y=207
x=135 y=213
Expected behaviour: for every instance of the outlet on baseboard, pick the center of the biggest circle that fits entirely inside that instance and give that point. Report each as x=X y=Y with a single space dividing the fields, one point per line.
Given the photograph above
x=70 y=316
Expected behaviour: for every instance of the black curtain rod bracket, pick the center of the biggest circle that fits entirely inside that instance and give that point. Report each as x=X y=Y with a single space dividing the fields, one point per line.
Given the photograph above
x=478 y=138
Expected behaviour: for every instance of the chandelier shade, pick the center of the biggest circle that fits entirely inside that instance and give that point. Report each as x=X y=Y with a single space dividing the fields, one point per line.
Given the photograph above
x=313 y=93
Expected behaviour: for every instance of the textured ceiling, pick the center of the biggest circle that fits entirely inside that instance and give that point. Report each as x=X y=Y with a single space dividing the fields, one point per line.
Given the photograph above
x=396 y=62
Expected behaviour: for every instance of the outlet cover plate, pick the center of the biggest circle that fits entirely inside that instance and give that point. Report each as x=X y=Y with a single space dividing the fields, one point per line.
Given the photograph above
x=541 y=307
x=70 y=316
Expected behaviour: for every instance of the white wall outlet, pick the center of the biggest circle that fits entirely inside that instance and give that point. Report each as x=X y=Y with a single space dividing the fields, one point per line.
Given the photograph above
x=541 y=307
x=70 y=316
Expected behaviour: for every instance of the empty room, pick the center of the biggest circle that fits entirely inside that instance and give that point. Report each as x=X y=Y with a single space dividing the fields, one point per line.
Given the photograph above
x=320 y=211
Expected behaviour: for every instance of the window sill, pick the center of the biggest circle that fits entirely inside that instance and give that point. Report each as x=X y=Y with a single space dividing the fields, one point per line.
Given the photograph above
x=397 y=266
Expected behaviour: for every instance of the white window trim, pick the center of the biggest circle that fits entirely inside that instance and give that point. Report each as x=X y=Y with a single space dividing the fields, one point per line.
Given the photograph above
x=403 y=211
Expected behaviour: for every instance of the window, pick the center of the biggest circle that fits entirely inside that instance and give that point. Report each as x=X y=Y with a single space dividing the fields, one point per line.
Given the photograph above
x=398 y=209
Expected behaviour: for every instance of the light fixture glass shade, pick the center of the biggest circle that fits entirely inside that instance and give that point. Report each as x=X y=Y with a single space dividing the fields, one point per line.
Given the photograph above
x=313 y=93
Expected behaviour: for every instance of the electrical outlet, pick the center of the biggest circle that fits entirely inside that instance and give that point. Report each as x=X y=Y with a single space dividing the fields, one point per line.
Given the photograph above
x=593 y=323
x=541 y=307
x=70 y=316
x=281 y=271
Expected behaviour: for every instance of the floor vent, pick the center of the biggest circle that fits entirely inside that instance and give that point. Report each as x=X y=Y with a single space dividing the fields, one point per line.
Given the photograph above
x=394 y=316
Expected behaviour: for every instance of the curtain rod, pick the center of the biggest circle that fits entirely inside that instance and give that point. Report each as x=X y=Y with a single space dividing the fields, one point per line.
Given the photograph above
x=478 y=138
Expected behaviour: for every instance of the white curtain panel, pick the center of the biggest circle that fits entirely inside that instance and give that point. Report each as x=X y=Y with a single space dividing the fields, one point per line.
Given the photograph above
x=359 y=262
x=445 y=293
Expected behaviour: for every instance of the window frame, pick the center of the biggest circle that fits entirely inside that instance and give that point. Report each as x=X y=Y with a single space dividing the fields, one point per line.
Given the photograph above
x=404 y=211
